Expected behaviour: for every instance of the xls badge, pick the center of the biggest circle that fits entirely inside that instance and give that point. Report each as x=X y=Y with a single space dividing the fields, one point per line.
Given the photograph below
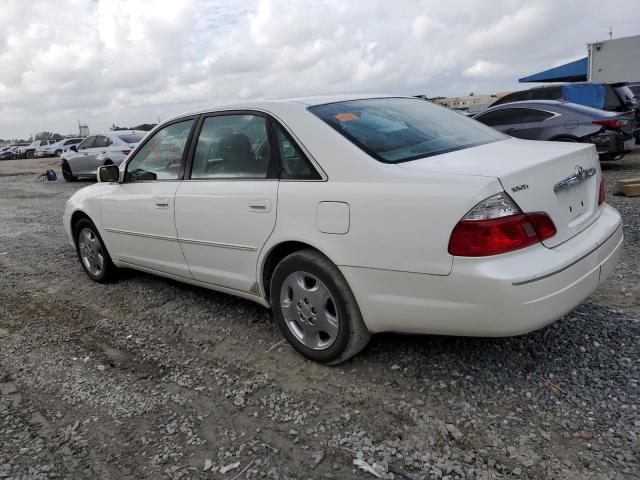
x=519 y=188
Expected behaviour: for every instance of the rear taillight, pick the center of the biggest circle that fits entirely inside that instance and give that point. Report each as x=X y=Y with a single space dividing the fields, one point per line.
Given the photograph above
x=615 y=123
x=601 y=192
x=496 y=225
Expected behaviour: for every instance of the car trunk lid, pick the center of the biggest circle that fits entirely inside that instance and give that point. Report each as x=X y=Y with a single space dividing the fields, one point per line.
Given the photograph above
x=561 y=179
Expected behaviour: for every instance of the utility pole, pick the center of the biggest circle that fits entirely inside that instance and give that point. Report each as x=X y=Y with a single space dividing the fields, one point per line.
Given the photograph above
x=610 y=33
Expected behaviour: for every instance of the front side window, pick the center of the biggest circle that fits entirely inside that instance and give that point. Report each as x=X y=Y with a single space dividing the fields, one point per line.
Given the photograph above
x=161 y=157
x=101 y=141
x=86 y=143
x=294 y=163
x=394 y=130
x=232 y=146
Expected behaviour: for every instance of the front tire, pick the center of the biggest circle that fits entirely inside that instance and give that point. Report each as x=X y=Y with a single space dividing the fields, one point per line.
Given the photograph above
x=315 y=308
x=67 y=174
x=93 y=254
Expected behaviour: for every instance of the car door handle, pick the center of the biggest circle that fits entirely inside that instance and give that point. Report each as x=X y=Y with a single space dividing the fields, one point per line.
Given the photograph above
x=262 y=206
x=161 y=202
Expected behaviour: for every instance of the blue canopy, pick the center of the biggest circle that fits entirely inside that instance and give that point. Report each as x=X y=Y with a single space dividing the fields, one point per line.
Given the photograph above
x=570 y=72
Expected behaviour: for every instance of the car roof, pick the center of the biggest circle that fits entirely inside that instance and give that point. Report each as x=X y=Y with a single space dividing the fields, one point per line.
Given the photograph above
x=550 y=104
x=292 y=102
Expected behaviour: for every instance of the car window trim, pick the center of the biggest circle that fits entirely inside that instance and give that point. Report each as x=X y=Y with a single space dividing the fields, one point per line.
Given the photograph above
x=272 y=168
x=152 y=134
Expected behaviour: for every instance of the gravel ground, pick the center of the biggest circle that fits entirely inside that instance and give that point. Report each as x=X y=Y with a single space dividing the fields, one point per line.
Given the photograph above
x=148 y=378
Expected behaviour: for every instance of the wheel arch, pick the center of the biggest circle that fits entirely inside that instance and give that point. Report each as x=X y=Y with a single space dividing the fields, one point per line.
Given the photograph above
x=275 y=254
x=75 y=218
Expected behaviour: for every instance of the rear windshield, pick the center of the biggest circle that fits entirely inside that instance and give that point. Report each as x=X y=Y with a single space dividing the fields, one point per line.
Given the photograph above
x=394 y=130
x=130 y=137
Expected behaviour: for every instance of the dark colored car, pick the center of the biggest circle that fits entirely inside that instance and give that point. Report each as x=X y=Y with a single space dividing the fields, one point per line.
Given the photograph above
x=614 y=97
x=610 y=132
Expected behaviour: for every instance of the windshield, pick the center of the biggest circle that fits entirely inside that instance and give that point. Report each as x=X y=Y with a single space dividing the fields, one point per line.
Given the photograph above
x=394 y=130
x=130 y=137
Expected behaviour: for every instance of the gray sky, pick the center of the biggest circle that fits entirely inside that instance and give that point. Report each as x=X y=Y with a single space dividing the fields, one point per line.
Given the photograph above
x=133 y=61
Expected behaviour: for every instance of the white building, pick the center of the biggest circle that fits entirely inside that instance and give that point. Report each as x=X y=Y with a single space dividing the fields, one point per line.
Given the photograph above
x=615 y=60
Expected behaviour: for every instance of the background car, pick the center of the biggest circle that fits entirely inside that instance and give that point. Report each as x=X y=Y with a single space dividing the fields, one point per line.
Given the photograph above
x=107 y=148
x=8 y=152
x=62 y=146
x=610 y=132
x=616 y=97
x=29 y=151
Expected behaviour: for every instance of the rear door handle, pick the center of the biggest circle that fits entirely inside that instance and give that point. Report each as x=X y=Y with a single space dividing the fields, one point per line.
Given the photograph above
x=262 y=206
x=161 y=202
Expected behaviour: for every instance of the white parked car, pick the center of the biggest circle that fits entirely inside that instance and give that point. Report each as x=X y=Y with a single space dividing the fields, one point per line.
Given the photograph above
x=58 y=148
x=349 y=216
x=109 y=148
x=37 y=146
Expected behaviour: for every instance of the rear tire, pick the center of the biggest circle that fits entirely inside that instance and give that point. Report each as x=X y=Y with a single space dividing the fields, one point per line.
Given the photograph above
x=67 y=174
x=92 y=253
x=315 y=308
x=30 y=154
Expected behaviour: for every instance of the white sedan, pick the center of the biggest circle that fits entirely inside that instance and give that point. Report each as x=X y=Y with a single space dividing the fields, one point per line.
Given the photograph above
x=353 y=215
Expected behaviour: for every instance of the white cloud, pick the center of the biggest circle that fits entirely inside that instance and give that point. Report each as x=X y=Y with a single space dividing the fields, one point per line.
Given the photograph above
x=105 y=61
x=485 y=69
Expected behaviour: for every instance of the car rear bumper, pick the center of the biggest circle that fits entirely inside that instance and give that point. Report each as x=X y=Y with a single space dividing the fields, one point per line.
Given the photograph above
x=503 y=295
x=612 y=142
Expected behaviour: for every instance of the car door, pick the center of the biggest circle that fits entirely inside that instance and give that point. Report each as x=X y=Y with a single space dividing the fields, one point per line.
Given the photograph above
x=226 y=210
x=534 y=123
x=78 y=161
x=506 y=120
x=94 y=154
x=138 y=213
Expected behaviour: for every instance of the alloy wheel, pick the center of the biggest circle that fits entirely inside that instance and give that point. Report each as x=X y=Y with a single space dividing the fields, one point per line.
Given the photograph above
x=91 y=251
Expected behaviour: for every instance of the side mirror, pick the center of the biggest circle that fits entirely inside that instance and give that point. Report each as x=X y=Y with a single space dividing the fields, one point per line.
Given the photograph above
x=74 y=148
x=108 y=173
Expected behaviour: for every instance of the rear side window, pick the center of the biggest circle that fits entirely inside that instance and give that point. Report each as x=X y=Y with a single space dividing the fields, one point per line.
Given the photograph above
x=86 y=143
x=394 y=130
x=530 y=115
x=232 y=146
x=101 y=141
x=73 y=141
x=294 y=163
x=505 y=116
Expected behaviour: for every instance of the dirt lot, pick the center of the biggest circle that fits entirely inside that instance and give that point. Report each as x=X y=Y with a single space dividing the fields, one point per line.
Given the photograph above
x=147 y=378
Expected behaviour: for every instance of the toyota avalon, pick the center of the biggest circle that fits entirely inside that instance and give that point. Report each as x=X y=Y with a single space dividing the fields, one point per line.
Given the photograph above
x=349 y=216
